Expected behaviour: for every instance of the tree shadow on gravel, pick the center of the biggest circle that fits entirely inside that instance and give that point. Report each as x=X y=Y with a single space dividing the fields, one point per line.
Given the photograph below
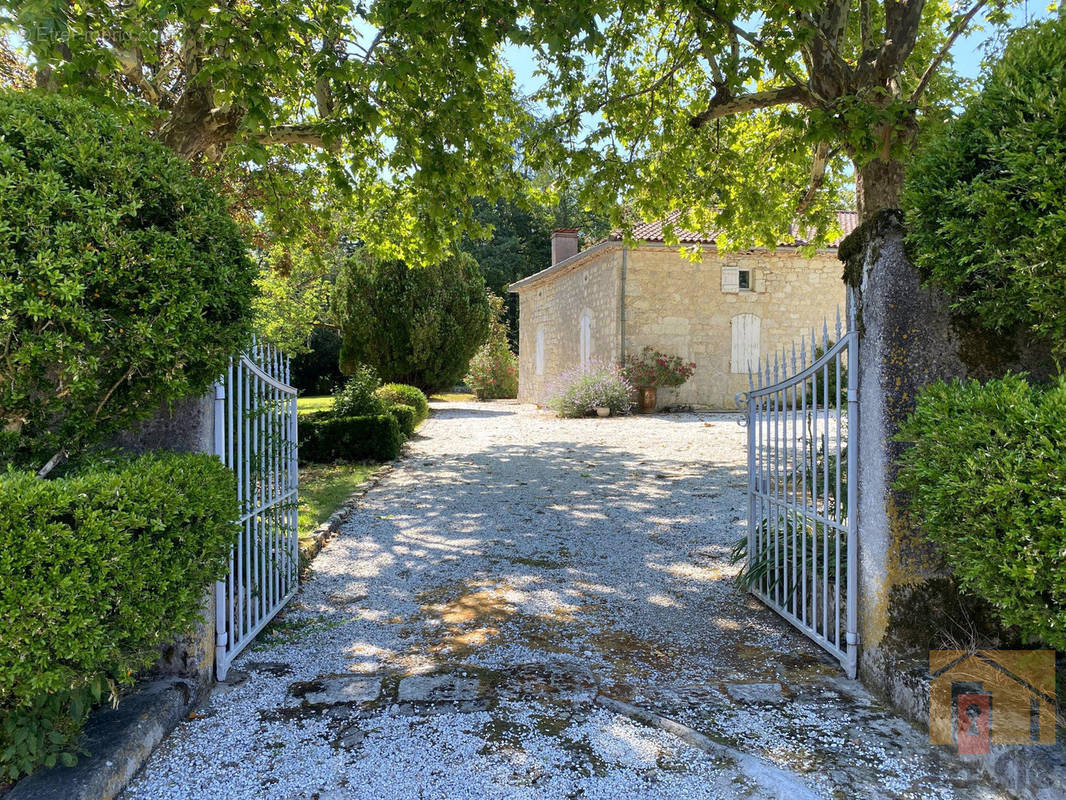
x=588 y=551
x=460 y=412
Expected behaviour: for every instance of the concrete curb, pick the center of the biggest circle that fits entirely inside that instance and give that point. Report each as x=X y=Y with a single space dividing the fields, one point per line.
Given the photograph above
x=119 y=741
x=312 y=545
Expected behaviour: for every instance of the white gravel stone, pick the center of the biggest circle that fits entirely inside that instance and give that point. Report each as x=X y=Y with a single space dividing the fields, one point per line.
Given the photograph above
x=505 y=541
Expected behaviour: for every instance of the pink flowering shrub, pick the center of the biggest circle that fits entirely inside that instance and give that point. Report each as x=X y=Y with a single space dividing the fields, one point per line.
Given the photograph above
x=493 y=371
x=652 y=368
x=579 y=392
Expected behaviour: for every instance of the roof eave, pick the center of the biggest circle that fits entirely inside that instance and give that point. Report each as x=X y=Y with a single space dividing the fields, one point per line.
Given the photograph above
x=537 y=277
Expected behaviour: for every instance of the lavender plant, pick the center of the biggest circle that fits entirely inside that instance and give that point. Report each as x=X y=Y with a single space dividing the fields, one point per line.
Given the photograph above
x=579 y=392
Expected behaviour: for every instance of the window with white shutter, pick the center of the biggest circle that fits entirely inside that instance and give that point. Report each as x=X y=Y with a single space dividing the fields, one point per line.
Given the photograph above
x=745 y=351
x=730 y=279
x=585 y=341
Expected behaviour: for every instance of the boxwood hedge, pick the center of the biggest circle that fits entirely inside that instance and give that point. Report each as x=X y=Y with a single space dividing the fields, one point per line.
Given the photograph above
x=985 y=478
x=124 y=282
x=97 y=570
x=401 y=394
x=406 y=417
x=325 y=438
x=985 y=198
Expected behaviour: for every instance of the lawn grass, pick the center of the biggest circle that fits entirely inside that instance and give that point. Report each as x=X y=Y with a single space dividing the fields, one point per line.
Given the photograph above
x=324 y=487
x=307 y=405
x=454 y=397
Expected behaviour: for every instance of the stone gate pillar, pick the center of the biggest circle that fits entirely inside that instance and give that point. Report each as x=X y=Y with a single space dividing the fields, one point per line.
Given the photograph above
x=908 y=339
x=188 y=427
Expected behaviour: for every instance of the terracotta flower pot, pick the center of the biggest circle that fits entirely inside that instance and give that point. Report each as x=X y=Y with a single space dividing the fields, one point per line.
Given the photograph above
x=603 y=411
x=647 y=399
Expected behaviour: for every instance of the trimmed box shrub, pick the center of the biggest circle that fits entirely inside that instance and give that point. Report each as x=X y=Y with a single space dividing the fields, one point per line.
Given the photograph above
x=393 y=394
x=325 y=438
x=985 y=197
x=406 y=416
x=986 y=479
x=97 y=570
x=125 y=284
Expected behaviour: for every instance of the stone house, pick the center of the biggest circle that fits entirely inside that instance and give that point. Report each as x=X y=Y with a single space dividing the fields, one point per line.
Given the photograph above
x=722 y=312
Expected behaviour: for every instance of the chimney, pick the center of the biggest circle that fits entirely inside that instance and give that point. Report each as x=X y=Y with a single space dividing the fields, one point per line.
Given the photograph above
x=564 y=244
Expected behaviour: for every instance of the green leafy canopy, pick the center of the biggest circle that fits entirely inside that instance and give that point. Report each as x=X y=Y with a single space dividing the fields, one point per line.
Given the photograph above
x=744 y=116
x=405 y=102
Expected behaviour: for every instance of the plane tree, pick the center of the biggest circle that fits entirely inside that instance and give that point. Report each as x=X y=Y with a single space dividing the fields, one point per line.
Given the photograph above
x=406 y=102
x=745 y=115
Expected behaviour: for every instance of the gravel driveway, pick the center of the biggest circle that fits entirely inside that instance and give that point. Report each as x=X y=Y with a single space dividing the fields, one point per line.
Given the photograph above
x=509 y=570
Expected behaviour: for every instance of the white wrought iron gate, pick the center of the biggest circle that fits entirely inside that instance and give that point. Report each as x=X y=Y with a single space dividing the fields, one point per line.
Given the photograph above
x=802 y=544
x=255 y=436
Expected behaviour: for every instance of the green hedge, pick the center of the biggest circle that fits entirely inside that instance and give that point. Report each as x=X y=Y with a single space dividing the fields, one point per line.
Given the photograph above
x=97 y=570
x=986 y=479
x=393 y=394
x=324 y=438
x=125 y=284
x=406 y=417
x=985 y=197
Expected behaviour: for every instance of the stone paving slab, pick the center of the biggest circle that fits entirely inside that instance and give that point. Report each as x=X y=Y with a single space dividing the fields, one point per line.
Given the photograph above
x=330 y=691
x=441 y=688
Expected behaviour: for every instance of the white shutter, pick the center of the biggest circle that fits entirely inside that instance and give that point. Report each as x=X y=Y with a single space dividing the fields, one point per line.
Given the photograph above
x=730 y=279
x=745 y=351
x=585 y=342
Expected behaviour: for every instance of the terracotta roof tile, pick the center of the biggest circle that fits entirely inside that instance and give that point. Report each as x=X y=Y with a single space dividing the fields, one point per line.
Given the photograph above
x=653 y=231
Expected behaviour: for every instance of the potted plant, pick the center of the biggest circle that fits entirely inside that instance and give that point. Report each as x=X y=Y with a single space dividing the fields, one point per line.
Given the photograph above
x=651 y=369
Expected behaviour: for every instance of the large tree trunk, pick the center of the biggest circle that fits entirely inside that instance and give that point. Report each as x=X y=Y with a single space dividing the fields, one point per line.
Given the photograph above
x=196 y=129
x=878 y=185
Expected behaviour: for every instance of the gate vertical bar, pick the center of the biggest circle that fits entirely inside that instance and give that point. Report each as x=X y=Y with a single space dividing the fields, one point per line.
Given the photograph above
x=294 y=485
x=852 y=632
x=221 y=628
x=753 y=468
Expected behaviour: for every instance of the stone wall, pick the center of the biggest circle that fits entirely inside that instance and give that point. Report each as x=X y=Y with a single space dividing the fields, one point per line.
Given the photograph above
x=908 y=603
x=908 y=339
x=679 y=306
x=188 y=427
x=554 y=307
